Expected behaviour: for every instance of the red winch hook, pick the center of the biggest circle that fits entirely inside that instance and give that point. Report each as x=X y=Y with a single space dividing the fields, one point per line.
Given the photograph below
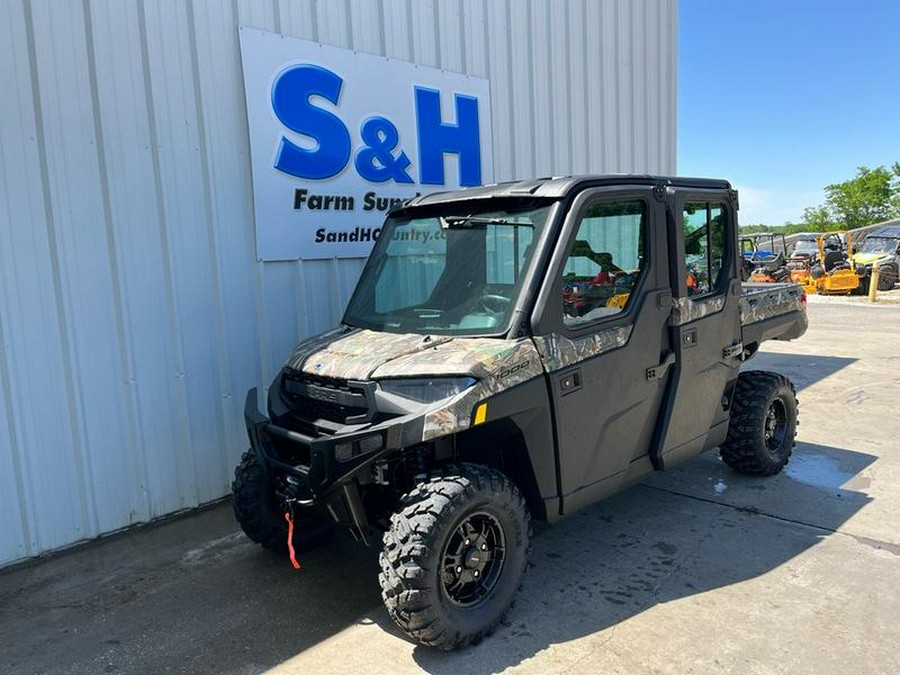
x=290 y=539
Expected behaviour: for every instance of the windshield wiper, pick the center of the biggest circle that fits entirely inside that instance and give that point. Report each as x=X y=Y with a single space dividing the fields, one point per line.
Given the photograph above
x=469 y=221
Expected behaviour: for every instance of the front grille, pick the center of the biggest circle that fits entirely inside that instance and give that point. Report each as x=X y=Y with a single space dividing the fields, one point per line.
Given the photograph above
x=311 y=399
x=313 y=409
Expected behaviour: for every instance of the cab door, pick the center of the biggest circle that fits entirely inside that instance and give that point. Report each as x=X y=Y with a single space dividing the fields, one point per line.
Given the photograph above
x=600 y=325
x=705 y=323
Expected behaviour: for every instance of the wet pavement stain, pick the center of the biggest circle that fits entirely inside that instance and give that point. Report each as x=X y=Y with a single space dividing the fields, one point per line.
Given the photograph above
x=878 y=544
x=818 y=471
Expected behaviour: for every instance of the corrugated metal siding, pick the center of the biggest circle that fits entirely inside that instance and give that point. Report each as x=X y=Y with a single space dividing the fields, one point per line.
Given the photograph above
x=133 y=312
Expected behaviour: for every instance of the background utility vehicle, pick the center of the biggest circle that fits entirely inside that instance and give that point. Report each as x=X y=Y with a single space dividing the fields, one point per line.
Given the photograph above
x=881 y=244
x=512 y=352
x=766 y=253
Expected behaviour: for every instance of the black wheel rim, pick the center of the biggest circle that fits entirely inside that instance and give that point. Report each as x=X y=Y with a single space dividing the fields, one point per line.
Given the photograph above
x=775 y=428
x=473 y=559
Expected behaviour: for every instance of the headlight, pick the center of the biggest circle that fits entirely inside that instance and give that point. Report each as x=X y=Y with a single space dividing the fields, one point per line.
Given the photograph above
x=427 y=390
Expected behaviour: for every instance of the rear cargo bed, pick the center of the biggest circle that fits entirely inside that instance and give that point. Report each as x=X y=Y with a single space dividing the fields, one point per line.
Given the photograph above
x=771 y=312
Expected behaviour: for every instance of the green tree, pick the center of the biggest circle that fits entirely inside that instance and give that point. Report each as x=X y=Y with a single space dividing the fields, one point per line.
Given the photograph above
x=871 y=196
x=816 y=219
x=759 y=227
x=895 y=202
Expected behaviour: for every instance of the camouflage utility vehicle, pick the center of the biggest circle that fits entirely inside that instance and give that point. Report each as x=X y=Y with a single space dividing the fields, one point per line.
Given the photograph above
x=512 y=352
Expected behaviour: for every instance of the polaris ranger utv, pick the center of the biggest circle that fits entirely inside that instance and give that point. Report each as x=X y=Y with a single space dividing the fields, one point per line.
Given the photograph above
x=512 y=352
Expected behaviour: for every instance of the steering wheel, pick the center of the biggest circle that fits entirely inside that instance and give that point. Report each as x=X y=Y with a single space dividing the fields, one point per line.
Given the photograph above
x=493 y=304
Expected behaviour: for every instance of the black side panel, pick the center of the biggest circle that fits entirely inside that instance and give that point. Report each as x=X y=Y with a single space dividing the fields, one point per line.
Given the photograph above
x=700 y=409
x=608 y=422
x=706 y=340
x=606 y=376
x=517 y=439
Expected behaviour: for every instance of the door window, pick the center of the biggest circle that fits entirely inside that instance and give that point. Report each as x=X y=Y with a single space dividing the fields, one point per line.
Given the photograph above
x=705 y=246
x=605 y=261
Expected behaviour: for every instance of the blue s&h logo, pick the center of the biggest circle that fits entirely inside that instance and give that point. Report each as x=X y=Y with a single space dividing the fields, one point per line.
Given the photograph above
x=380 y=158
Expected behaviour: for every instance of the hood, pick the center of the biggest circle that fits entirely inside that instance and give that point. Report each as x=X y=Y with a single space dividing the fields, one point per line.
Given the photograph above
x=869 y=258
x=364 y=354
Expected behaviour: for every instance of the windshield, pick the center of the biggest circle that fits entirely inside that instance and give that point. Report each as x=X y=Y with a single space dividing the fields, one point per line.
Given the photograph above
x=806 y=246
x=456 y=273
x=879 y=245
x=767 y=247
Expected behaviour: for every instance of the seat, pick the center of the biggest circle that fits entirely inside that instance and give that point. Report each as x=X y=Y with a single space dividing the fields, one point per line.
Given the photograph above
x=832 y=260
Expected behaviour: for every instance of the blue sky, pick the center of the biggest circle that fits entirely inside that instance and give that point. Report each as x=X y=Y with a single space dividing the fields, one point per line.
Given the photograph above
x=783 y=98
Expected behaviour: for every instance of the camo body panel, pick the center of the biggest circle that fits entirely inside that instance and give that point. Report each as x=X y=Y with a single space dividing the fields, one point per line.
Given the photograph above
x=685 y=310
x=765 y=301
x=498 y=364
x=478 y=357
x=558 y=351
x=357 y=354
x=312 y=344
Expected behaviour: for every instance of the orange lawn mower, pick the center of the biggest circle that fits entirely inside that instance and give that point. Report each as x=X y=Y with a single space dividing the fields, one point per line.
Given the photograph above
x=830 y=271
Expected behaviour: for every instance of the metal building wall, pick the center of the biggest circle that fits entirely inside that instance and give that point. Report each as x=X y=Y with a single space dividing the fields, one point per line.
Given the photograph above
x=133 y=312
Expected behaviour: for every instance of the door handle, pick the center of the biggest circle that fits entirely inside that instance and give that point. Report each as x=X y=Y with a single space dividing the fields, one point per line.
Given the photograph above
x=570 y=382
x=735 y=350
x=658 y=372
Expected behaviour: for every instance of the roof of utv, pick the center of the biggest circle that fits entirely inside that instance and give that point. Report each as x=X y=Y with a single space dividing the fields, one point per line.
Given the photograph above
x=558 y=187
x=886 y=231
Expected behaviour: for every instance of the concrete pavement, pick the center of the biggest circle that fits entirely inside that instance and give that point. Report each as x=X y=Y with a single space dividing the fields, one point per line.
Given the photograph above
x=695 y=570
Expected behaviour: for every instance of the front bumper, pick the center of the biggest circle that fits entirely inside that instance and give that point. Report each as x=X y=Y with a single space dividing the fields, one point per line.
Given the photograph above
x=324 y=471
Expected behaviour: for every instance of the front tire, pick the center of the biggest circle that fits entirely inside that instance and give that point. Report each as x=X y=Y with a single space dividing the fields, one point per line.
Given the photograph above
x=261 y=516
x=763 y=424
x=454 y=556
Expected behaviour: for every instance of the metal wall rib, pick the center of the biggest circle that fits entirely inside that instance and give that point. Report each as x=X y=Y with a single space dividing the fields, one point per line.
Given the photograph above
x=133 y=312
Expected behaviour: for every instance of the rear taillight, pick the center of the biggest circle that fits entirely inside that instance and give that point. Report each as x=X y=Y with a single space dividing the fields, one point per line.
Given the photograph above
x=803 y=301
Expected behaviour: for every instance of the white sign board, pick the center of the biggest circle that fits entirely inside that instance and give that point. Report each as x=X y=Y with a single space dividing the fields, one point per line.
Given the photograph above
x=338 y=137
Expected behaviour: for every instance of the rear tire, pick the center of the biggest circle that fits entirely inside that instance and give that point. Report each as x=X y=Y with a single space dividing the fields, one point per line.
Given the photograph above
x=454 y=556
x=886 y=279
x=763 y=424
x=261 y=516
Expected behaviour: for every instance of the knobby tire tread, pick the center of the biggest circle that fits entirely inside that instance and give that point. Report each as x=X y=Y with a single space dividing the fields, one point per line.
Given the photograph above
x=410 y=546
x=257 y=512
x=744 y=448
